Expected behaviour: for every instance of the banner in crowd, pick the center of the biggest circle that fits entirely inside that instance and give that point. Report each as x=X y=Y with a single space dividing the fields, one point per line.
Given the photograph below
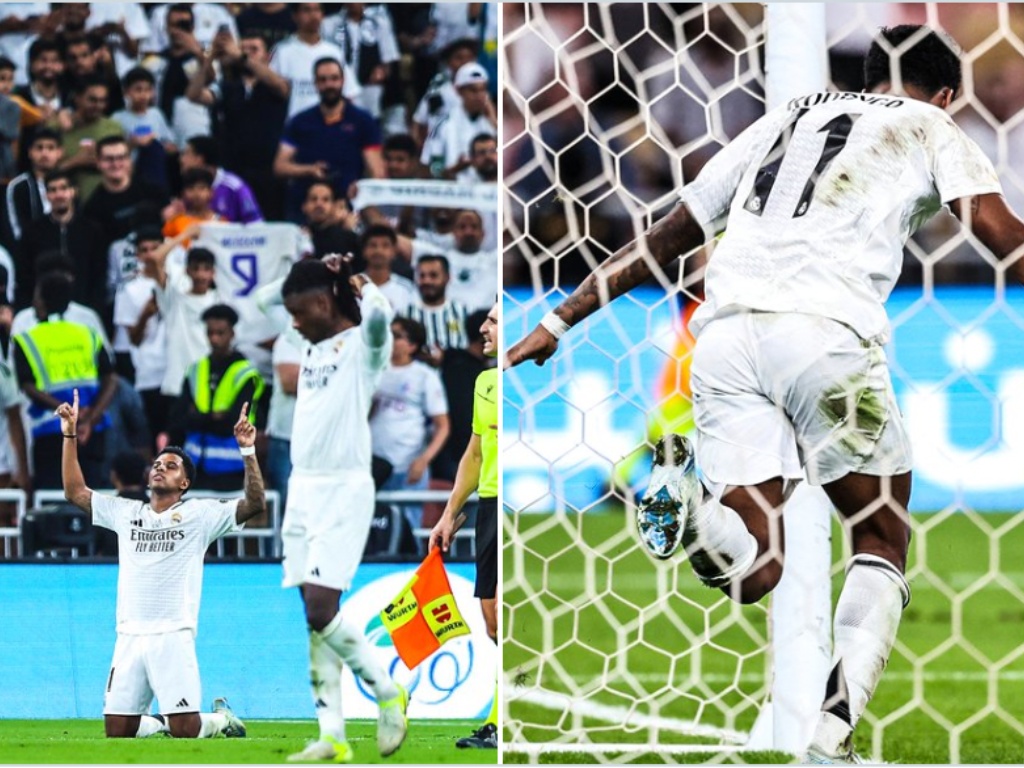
x=427 y=194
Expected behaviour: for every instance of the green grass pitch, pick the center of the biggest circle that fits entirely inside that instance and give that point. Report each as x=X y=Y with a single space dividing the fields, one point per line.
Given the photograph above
x=268 y=741
x=628 y=651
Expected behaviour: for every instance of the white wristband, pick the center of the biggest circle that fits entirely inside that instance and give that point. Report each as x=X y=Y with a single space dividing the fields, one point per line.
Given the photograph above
x=247 y=450
x=554 y=325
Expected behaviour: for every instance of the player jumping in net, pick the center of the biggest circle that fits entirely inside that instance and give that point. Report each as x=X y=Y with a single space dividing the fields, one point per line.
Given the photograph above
x=161 y=545
x=789 y=371
x=345 y=322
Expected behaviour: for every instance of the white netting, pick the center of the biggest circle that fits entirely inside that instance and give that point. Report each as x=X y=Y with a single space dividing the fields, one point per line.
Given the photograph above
x=608 y=110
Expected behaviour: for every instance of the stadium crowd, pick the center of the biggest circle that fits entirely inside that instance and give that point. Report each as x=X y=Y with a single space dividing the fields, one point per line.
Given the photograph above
x=163 y=162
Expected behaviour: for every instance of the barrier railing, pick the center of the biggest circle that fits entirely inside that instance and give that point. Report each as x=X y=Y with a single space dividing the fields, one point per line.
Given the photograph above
x=267 y=540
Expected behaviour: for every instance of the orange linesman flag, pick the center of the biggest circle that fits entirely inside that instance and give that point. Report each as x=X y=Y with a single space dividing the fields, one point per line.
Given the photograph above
x=423 y=616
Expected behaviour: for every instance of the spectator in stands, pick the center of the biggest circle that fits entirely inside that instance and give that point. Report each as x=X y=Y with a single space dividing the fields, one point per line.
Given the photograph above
x=207 y=19
x=13 y=451
x=89 y=126
x=123 y=27
x=129 y=473
x=121 y=204
x=129 y=430
x=272 y=22
x=140 y=330
x=379 y=248
x=26 y=194
x=328 y=231
x=441 y=96
x=446 y=150
x=196 y=199
x=149 y=136
x=483 y=169
x=410 y=396
x=10 y=121
x=473 y=269
x=46 y=70
x=252 y=107
x=335 y=141
x=19 y=23
x=294 y=60
x=82 y=65
x=444 y=320
x=363 y=32
x=401 y=161
x=50 y=359
x=182 y=297
x=213 y=392
x=66 y=231
x=26 y=319
x=232 y=199
x=287 y=359
x=173 y=67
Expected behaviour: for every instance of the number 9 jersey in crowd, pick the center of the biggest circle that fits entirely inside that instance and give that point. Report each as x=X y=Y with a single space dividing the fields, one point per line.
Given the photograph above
x=821 y=194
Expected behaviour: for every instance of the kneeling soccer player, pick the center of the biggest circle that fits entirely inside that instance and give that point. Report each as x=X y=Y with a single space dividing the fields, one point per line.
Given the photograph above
x=161 y=545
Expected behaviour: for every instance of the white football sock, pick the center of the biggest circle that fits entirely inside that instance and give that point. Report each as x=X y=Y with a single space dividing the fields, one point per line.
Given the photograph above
x=350 y=644
x=866 y=619
x=325 y=681
x=149 y=725
x=721 y=548
x=211 y=724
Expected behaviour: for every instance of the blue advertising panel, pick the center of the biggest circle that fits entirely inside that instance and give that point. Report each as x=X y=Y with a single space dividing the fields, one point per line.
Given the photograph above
x=57 y=627
x=575 y=428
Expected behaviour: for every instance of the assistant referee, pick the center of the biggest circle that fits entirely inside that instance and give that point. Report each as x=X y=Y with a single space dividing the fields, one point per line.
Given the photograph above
x=478 y=471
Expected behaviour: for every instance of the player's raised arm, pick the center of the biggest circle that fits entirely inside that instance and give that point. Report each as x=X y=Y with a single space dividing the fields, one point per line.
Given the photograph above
x=675 y=234
x=75 y=489
x=993 y=222
x=255 y=500
x=376 y=321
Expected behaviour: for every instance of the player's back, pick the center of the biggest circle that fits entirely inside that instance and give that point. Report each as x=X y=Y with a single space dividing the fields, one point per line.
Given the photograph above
x=822 y=193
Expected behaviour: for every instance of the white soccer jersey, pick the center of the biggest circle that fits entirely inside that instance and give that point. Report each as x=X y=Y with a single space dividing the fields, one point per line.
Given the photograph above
x=293 y=60
x=250 y=256
x=407 y=397
x=331 y=430
x=821 y=195
x=160 y=558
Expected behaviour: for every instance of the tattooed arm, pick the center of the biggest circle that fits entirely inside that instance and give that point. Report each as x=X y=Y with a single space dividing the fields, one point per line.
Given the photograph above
x=994 y=223
x=676 y=234
x=255 y=500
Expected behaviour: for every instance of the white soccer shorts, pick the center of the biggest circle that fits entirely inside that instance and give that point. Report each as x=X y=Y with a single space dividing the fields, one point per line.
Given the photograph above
x=774 y=392
x=326 y=527
x=163 y=665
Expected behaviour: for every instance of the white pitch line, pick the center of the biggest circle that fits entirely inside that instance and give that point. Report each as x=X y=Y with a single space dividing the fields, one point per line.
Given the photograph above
x=618 y=750
x=754 y=678
x=618 y=714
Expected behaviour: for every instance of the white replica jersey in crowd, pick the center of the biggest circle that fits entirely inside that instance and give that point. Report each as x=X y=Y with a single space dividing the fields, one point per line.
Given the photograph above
x=821 y=195
x=160 y=558
x=331 y=428
x=250 y=256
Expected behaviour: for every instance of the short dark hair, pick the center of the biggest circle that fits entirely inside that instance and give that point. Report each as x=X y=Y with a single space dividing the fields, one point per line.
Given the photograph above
x=6 y=63
x=198 y=256
x=378 y=230
x=55 y=175
x=109 y=141
x=440 y=259
x=479 y=139
x=469 y=43
x=220 y=312
x=148 y=232
x=91 y=82
x=45 y=133
x=414 y=330
x=328 y=60
x=400 y=142
x=53 y=261
x=181 y=8
x=322 y=183
x=313 y=275
x=77 y=38
x=206 y=148
x=930 y=61
x=474 y=322
x=129 y=467
x=40 y=46
x=195 y=177
x=55 y=289
x=186 y=462
x=137 y=75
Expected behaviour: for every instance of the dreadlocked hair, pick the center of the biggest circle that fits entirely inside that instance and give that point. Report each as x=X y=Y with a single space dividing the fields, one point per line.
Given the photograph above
x=314 y=275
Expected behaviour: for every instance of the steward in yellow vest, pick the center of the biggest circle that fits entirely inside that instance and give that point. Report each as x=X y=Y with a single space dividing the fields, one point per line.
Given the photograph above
x=212 y=394
x=51 y=360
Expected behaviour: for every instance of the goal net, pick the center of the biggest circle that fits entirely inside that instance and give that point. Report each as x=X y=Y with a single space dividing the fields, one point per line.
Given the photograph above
x=608 y=109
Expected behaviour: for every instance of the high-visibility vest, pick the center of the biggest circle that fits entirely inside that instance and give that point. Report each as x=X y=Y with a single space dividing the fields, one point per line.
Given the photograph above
x=62 y=356
x=217 y=454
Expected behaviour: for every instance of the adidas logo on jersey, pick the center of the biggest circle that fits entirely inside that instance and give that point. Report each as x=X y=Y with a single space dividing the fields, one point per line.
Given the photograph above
x=314 y=571
x=182 y=703
x=137 y=523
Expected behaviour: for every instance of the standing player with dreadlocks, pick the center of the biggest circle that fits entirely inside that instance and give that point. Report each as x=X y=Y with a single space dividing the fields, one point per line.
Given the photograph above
x=331 y=492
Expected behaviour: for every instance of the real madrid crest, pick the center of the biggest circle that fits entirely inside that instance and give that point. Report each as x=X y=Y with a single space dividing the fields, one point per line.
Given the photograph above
x=176 y=518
